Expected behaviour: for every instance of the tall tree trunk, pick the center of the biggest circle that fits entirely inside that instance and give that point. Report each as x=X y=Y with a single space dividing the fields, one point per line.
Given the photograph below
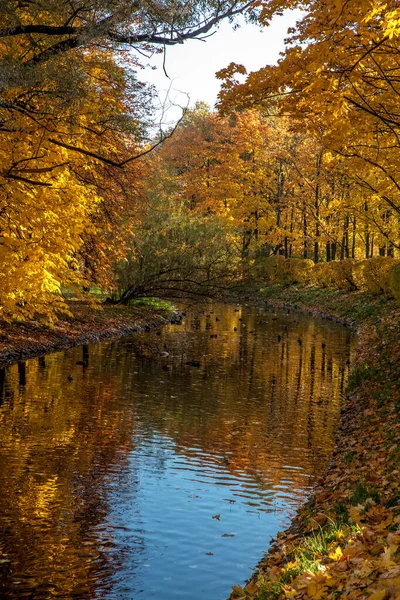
x=328 y=252
x=344 y=250
x=291 y=228
x=353 y=243
x=367 y=234
x=305 y=234
x=316 y=205
x=279 y=192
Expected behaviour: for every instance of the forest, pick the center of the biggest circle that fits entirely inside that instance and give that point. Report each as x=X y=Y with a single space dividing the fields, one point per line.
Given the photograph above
x=293 y=178
x=166 y=444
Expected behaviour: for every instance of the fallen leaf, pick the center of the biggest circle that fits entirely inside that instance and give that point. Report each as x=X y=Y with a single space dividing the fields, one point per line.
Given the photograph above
x=378 y=595
x=316 y=590
x=336 y=554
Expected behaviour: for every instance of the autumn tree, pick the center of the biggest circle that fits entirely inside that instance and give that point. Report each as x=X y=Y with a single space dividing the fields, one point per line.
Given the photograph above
x=73 y=126
x=337 y=80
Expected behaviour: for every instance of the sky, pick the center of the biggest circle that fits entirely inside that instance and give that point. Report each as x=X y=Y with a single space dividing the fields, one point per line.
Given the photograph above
x=191 y=67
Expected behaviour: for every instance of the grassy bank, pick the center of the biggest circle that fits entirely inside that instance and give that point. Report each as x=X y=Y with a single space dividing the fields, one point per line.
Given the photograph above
x=345 y=542
x=87 y=323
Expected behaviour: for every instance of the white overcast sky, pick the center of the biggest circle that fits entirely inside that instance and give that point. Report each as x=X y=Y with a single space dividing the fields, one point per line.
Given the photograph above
x=192 y=65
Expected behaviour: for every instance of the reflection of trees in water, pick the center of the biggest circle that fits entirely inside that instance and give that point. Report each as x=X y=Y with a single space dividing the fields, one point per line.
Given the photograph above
x=68 y=424
x=247 y=385
x=58 y=446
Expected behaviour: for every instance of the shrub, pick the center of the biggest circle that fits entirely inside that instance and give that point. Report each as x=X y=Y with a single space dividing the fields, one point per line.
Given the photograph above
x=359 y=273
x=297 y=270
x=271 y=268
x=395 y=281
x=342 y=275
x=377 y=274
x=323 y=275
x=277 y=269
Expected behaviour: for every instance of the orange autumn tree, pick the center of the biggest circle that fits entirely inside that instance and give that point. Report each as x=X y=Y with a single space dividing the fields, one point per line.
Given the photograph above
x=229 y=168
x=277 y=191
x=54 y=199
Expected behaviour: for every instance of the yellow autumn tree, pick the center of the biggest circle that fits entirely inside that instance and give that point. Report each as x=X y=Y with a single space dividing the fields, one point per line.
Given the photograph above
x=73 y=120
x=337 y=80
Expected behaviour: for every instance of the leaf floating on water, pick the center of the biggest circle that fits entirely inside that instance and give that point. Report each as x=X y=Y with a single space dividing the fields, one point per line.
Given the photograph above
x=217 y=517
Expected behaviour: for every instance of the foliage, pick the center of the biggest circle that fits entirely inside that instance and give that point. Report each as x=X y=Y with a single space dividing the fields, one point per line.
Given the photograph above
x=74 y=125
x=395 y=282
x=176 y=254
x=298 y=270
x=342 y=275
x=155 y=303
x=336 y=79
x=373 y=275
x=276 y=187
x=377 y=274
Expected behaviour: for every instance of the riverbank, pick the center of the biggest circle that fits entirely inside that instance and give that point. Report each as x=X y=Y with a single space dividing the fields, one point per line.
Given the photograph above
x=88 y=323
x=345 y=541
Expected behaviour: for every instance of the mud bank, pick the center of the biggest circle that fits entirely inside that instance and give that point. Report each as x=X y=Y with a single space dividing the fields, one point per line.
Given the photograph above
x=20 y=341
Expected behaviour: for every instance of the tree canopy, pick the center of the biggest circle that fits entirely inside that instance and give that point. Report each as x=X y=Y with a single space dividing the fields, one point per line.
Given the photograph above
x=73 y=121
x=301 y=160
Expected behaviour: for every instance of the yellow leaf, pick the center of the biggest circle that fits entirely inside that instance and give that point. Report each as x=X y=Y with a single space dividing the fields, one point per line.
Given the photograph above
x=316 y=590
x=336 y=554
x=252 y=588
x=354 y=514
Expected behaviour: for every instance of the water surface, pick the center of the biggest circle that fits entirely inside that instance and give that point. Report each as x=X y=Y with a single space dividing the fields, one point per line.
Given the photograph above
x=126 y=473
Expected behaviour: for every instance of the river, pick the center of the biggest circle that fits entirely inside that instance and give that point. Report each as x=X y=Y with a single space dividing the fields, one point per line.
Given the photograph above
x=126 y=473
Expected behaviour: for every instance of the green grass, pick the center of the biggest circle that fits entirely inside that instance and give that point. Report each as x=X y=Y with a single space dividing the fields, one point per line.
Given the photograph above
x=353 y=306
x=270 y=594
x=155 y=303
x=364 y=492
x=359 y=375
x=308 y=556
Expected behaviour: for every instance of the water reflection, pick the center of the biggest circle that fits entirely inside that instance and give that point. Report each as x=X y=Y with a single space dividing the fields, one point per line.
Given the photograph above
x=157 y=466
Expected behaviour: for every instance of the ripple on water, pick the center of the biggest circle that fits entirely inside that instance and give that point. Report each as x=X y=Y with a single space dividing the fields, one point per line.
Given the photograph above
x=135 y=482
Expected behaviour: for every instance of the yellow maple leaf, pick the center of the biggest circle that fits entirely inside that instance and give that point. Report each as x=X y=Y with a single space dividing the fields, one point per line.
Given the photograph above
x=336 y=554
x=316 y=589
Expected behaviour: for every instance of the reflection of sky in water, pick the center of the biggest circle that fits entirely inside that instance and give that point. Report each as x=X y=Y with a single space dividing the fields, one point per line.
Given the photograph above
x=172 y=524
x=112 y=480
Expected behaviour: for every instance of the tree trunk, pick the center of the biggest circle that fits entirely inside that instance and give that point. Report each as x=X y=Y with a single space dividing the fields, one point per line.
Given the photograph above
x=353 y=244
x=367 y=234
x=316 y=205
x=328 y=252
x=305 y=234
x=344 y=250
